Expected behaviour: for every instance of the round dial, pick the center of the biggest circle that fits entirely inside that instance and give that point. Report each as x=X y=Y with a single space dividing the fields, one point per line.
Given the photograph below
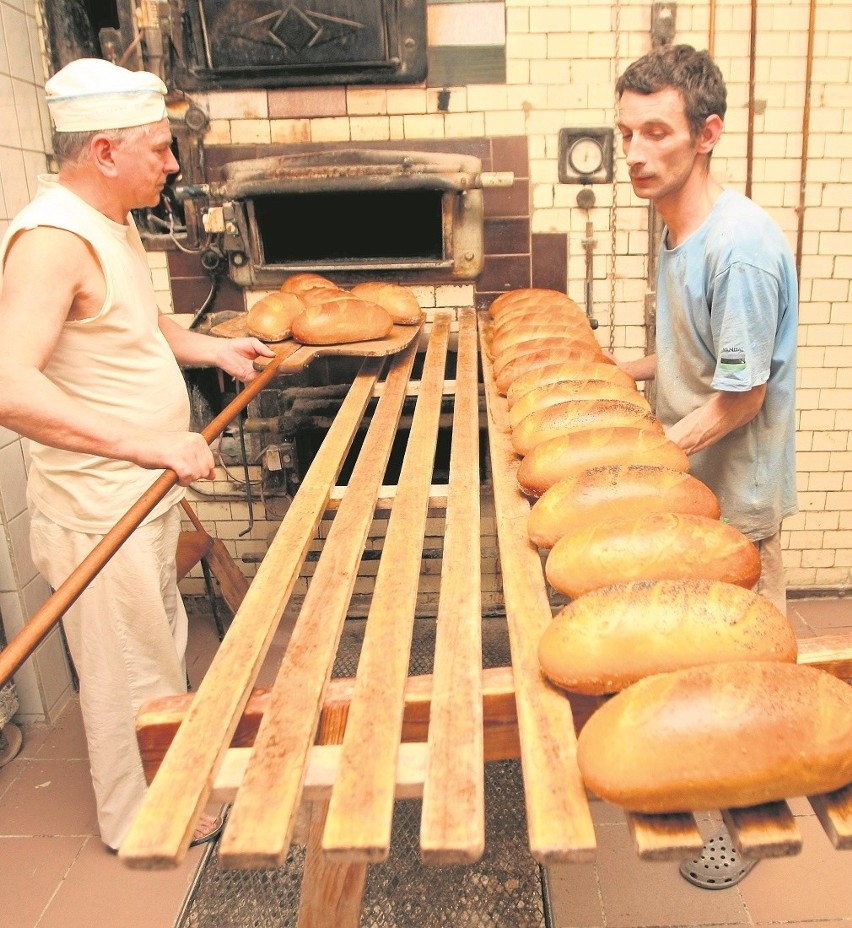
x=585 y=156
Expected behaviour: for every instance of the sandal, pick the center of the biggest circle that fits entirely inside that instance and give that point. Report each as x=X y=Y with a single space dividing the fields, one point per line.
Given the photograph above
x=211 y=835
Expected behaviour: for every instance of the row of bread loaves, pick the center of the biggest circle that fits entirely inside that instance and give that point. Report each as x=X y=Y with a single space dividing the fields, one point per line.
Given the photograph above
x=662 y=607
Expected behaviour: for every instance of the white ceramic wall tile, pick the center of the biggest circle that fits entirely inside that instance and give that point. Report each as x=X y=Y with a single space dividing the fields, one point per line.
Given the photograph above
x=13 y=480
x=8 y=114
x=19 y=538
x=26 y=110
x=17 y=34
x=4 y=56
x=8 y=578
x=53 y=675
x=15 y=187
x=35 y=51
x=12 y=610
x=7 y=436
x=35 y=163
x=3 y=209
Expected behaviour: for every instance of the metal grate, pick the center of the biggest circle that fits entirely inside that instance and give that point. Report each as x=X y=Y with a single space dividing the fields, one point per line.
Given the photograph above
x=503 y=889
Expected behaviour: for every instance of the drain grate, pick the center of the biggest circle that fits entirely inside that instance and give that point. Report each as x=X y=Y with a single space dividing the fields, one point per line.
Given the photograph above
x=502 y=890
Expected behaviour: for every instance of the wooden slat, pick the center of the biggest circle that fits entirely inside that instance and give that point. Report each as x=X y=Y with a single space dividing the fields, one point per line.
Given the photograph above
x=832 y=653
x=558 y=817
x=834 y=811
x=262 y=818
x=453 y=821
x=360 y=814
x=665 y=837
x=161 y=833
x=767 y=830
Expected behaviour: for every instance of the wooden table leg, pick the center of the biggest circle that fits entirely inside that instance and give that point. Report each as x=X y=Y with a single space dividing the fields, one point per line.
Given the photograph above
x=332 y=893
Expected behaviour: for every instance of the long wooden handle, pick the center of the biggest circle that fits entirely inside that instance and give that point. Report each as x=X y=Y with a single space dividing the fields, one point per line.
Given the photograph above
x=31 y=635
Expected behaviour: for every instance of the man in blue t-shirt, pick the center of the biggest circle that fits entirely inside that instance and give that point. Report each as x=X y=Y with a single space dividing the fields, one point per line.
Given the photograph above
x=727 y=302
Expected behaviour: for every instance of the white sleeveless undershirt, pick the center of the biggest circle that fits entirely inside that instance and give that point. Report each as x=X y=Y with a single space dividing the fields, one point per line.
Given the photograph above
x=116 y=362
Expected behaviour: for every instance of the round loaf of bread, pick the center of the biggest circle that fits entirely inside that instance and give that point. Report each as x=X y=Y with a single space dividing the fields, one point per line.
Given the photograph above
x=553 y=393
x=529 y=297
x=399 y=301
x=578 y=415
x=530 y=360
x=271 y=318
x=567 y=370
x=616 y=491
x=721 y=736
x=300 y=284
x=566 y=455
x=341 y=321
x=657 y=546
x=607 y=639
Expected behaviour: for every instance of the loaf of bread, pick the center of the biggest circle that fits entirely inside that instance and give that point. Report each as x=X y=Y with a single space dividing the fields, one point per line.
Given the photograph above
x=566 y=455
x=657 y=546
x=607 y=639
x=540 y=315
x=529 y=296
x=300 y=284
x=721 y=736
x=530 y=360
x=616 y=491
x=528 y=331
x=567 y=370
x=271 y=318
x=578 y=415
x=341 y=321
x=399 y=301
x=552 y=393
x=590 y=348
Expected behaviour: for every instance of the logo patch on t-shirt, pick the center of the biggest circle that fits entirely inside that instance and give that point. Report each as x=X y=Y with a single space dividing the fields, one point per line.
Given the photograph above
x=732 y=359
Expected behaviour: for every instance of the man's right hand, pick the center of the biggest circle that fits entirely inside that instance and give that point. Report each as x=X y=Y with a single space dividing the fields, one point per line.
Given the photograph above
x=186 y=453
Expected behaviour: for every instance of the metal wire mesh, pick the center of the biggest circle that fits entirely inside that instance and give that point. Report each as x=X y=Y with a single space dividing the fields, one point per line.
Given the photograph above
x=502 y=890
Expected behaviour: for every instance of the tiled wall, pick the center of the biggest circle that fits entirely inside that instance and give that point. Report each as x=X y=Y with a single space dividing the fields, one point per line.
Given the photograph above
x=43 y=684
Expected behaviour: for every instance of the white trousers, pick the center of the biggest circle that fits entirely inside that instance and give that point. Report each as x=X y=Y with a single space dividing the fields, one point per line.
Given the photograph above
x=127 y=635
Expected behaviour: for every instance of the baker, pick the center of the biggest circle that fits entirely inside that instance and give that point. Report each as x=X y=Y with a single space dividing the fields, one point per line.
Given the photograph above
x=727 y=303
x=90 y=373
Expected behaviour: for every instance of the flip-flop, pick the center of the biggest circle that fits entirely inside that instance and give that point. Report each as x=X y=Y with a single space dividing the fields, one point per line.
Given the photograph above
x=719 y=865
x=211 y=835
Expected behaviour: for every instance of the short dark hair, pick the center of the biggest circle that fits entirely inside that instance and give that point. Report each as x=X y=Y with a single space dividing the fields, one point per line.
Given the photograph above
x=693 y=73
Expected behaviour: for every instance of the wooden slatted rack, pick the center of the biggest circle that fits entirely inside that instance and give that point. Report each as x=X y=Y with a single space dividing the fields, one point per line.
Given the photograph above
x=346 y=749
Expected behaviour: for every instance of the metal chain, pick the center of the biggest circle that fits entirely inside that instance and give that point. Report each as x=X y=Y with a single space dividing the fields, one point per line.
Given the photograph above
x=613 y=207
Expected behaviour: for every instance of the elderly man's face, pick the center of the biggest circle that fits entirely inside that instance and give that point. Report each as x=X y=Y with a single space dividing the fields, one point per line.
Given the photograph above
x=145 y=160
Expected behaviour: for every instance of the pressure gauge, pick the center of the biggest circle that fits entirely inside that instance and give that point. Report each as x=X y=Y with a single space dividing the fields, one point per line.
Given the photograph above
x=585 y=156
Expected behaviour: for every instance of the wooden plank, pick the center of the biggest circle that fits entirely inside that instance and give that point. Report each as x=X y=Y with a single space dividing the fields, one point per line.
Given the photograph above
x=163 y=829
x=766 y=830
x=832 y=653
x=665 y=837
x=834 y=811
x=262 y=818
x=159 y=720
x=558 y=817
x=452 y=829
x=360 y=814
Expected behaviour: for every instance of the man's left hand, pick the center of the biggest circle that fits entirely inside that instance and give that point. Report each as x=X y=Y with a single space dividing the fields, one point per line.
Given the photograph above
x=236 y=357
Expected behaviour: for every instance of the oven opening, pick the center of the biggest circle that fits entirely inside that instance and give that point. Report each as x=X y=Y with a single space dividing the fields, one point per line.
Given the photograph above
x=375 y=225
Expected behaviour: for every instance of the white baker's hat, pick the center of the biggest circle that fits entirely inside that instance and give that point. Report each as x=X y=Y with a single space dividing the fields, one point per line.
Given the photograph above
x=90 y=94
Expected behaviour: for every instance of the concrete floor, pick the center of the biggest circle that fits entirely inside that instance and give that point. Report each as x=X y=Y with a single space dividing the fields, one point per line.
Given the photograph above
x=56 y=874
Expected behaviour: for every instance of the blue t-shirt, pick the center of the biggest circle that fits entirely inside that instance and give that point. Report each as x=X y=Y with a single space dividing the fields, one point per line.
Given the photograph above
x=727 y=311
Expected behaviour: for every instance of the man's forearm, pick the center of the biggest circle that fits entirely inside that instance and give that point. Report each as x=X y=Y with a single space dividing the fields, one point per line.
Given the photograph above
x=640 y=368
x=719 y=416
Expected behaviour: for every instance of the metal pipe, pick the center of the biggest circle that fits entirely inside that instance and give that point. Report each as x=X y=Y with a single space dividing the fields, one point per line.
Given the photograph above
x=806 y=131
x=752 y=56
